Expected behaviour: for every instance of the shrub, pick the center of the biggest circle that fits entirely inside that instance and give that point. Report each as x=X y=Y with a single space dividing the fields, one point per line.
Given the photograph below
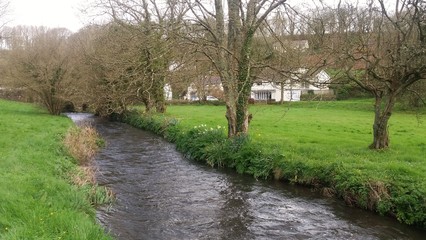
x=195 y=143
x=253 y=161
x=408 y=203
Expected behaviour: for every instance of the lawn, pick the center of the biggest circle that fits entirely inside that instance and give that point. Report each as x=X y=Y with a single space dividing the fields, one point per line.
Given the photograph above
x=37 y=199
x=326 y=132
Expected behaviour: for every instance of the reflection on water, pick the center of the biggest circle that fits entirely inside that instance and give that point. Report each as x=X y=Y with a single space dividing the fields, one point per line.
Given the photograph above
x=161 y=195
x=81 y=118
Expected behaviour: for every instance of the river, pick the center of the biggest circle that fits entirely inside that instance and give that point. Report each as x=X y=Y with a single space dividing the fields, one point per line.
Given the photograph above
x=162 y=195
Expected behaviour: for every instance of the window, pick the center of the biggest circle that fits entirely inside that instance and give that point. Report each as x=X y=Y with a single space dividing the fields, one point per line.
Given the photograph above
x=263 y=95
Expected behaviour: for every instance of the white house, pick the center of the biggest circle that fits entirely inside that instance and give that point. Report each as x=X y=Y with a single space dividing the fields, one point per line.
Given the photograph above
x=263 y=90
x=291 y=89
x=267 y=91
x=168 y=95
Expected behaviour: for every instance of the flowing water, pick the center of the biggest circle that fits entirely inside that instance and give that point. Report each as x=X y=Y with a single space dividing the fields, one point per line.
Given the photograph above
x=162 y=195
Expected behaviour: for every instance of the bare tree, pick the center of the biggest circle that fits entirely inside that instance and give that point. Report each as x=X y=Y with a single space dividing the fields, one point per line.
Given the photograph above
x=105 y=59
x=384 y=52
x=155 y=23
x=39 y=62
x=4 y=11
x=227 y=33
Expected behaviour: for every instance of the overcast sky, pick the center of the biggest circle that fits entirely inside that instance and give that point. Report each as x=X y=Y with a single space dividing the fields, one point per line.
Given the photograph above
x=49 y=13
x=59 y=13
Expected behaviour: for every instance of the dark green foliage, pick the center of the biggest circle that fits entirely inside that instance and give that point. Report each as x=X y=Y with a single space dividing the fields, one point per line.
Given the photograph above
x=349 y=91
x=212 y=146
x=198 y=142
x=408 y=202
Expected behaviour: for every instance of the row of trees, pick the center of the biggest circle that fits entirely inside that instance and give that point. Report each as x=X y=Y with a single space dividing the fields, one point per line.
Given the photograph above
x=146 y=44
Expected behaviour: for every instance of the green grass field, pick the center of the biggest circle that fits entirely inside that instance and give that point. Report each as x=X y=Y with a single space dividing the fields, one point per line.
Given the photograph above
x=37 y=200
x=324 y=132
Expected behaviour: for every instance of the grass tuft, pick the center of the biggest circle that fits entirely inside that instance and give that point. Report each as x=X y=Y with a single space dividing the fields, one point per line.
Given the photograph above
x=82 y=143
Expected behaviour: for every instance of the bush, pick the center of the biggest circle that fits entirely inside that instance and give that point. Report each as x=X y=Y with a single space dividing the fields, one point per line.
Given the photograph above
x=198 y=142
x=349 y=90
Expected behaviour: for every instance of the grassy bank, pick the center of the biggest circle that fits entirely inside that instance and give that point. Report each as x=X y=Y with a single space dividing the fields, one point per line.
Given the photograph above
x=37 y=199
x=323 y=145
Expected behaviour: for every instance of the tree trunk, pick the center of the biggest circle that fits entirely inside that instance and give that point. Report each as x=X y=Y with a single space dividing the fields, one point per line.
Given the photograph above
x=160 y=101
x=242 y=114
x=232 y=119
x=380 y=134
x=381 y=119
x=160 y=106
x=50 y=101
x=147 y=101
x=244 y=84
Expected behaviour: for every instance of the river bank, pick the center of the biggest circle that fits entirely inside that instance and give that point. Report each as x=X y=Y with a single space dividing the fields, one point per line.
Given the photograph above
x=389 y=182
x=38 y=198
